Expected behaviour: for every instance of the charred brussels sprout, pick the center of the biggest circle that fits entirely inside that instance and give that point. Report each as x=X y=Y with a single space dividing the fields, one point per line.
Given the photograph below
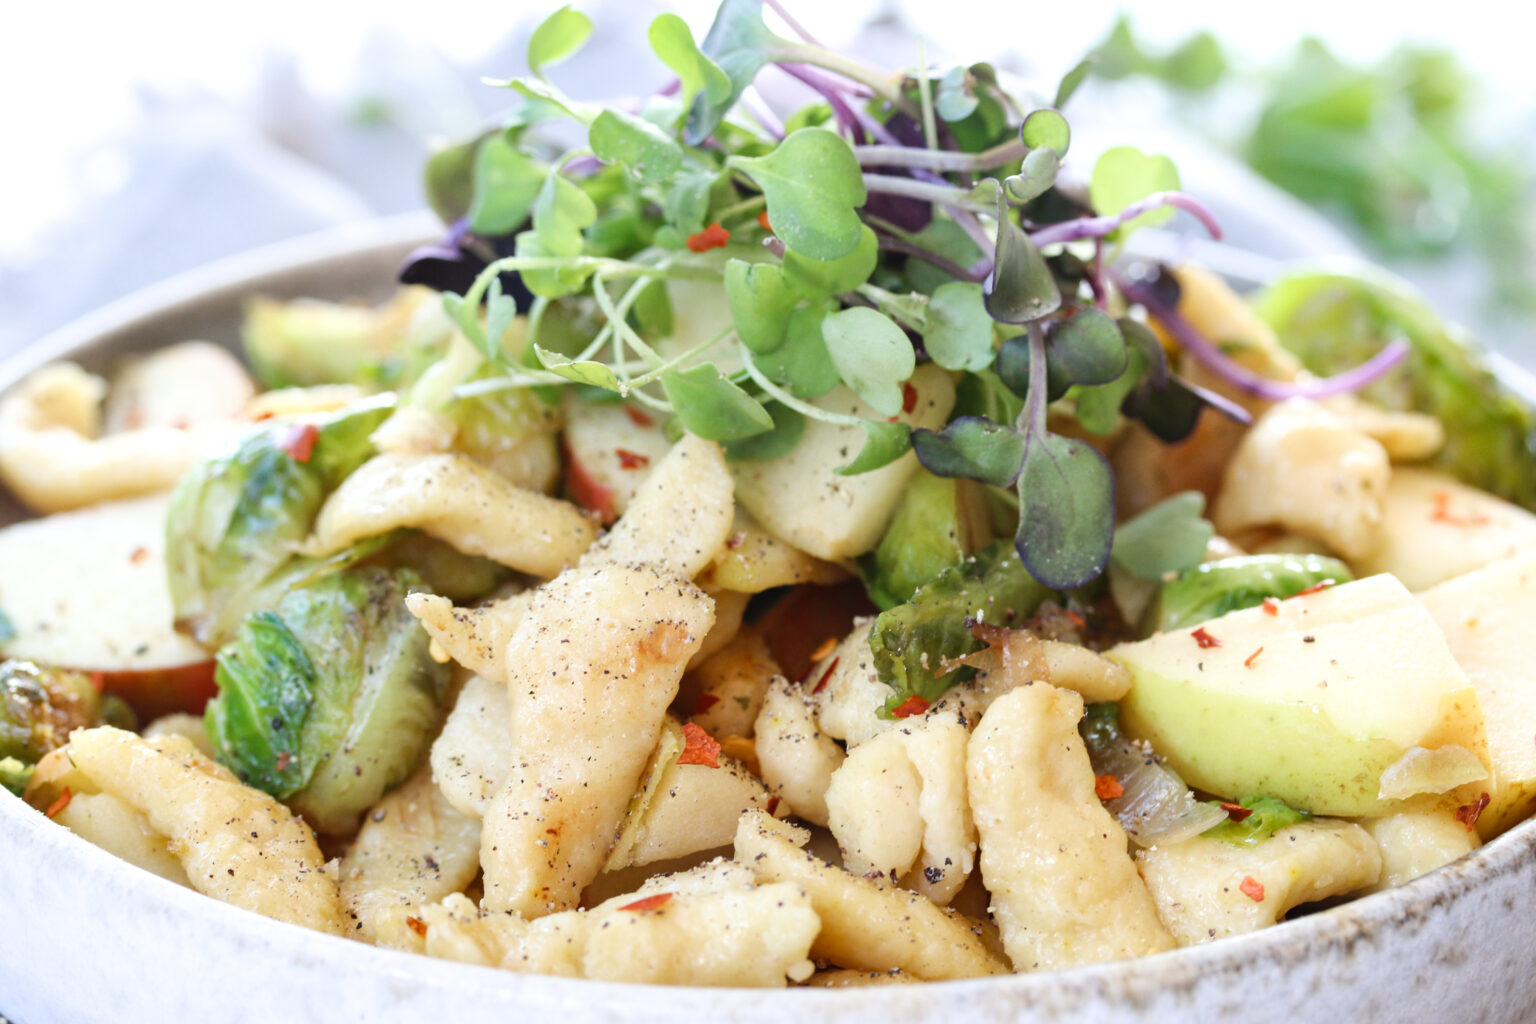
x=235 y=518
x=329 y=699
x=307 y=342
x=911 y=642
x=39 y=707
x=1212 y=589
x=1334 y=321
x=939 y=522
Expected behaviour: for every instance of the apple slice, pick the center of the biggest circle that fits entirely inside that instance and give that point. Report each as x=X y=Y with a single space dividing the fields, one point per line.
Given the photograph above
x=1309 y=700
x=1434 y=527
x=1486 y=615
x=86 y=590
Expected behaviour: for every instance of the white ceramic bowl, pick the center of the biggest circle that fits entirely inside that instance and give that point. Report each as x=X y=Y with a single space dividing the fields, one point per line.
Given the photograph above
x=86 y=937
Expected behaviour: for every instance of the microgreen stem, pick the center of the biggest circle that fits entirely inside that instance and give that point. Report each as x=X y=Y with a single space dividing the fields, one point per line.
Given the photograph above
x=656 y=371
x=1203 y=350
x=528 y=378
x=895 y=243
x=788 y=400
x=946 y=195
x=436 y=386
x=1098 y=227
x=749 y=205
x=877 y=83
x=1032 y=416
x=940 y=160
x=925 y=98
x=623 y=334
x=762 y=113
x=789 y=19
x=846 y=116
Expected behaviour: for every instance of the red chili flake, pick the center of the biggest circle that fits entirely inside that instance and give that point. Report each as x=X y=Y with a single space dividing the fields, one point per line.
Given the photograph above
x=1237 y=812
x=284 y=759
x=773 y=806
x=1467 y=814
x=825 y=648
x=735 y=540
x=418 y=926
x=762 y=218
x=1074 y=618
x=821 y=684
x=631 y=460
x=59 y=804
x=655 y=902
x=1205 y=639
x=712 y=237
x=1108 y=787
x=138 y=555
x=913 y=705
x=1271 y=606
x=98 y=680
x=585 y=489
x=299 y=441
x=1248 y=661
x=1442 y=512
x=1252 y=888
x=265 y=414
x=699 y=747
x=908 y=397
x=638 y=417
x=1314 y=588
x=704 y=703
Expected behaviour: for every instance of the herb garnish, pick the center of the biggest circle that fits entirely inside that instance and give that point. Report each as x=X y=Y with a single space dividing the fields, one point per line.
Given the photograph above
x=927 y=215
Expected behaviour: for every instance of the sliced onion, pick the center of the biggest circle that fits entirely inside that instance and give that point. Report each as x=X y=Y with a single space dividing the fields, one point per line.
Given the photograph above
x=1156 y=807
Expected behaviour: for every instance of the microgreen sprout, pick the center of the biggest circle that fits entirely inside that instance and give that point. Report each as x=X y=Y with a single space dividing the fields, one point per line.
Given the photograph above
x=903 y=217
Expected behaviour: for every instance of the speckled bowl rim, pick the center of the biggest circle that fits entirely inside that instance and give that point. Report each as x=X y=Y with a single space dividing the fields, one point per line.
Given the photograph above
x=1452 y=945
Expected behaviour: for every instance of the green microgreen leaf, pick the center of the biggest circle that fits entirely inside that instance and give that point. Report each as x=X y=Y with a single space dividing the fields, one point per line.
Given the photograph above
x=558 y=37
x=740 y=44
x=506 y=183
x=672 y=41
x=449 y=180
x=802 y=363
x=873 y=356
x=1170 y=412
x=957 y=329
x=982 y=394
x=585 y=371
x=1046 y=129
x=1098 y=407
x=814 y=188
x=761 y=301
x=500 y=311
x=711 y=406
x=1072 y=80
x=1066 y=511
x=1037 y=174
x=685 y=203
x=549 y=284
x=1125 y=175
x=653 y=310
x=829 y=277
x=560 y=211
x=1169 y=537
x=1088 y=346
x=547 y=98
x=884 y=443
x=650 y=154
x=954 y=99
x=788 y=428
x=1023 y=287
x=973 y=448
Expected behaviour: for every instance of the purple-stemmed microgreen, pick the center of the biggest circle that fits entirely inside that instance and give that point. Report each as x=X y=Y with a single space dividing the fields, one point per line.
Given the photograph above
x=916 y=216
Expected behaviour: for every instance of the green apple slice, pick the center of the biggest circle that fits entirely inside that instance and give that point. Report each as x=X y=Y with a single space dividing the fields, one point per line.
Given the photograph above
x=1308 y=700
x=1486 y=615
